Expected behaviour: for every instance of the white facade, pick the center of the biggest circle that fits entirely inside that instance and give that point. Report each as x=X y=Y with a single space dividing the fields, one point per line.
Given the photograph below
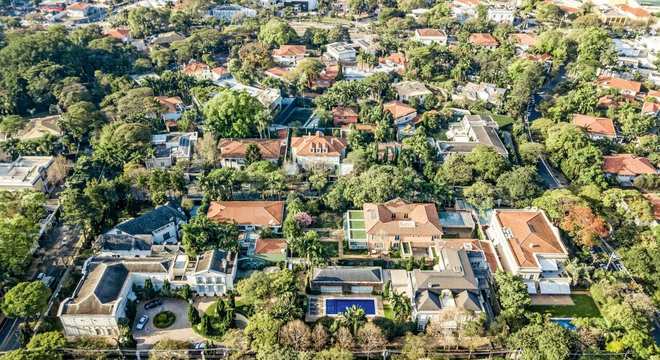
x=26 y=173
x=231 y=12
x=310 y=162
x=501 y=15
x=341 y=52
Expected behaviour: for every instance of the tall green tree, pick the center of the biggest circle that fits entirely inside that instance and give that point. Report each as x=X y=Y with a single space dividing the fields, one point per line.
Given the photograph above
x=203 y=234
x=235 y=114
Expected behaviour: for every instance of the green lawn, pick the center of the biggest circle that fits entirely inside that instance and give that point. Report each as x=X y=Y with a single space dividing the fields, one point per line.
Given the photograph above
x=501 y=120
x=359 y=224
x=355 y=215
x=584 y=307
x=358 y=234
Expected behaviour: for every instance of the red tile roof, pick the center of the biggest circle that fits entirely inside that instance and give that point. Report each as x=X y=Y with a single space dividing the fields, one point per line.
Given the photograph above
x=237 y=149
x=318 y=145
x=430 y=33
x=194 y=67
x=618 y=83
x=398 y=109
x=290 y=50
x=524 y=39
x=260 y=213
x=650 y=107
x=270 y=246
x=118 y=33
x=627 y=165
x=483 y=39
x=169 y=103
x=634 y=11
x=654 y=199
x=595 y=125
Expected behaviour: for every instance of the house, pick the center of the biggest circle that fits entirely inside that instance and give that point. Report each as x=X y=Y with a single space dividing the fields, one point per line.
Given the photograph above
x=347 y=279
x=198 y=70
x=368 y=45
x=97 y=306
x=463 y=10
x=277 y=73
x=120 y=33
x=636 y=15
x=26 y=173
x=37 y=128
x=272 y=250
x=248 y=215
x=431 y=36
x=596 y=127
x=524 y=41
x=472 y=131
x=342 y=115
x=289 y=55
x=79 y=10
x=396 y=224
x=166 y=39
x=233 y=151
x=402 y=113
x=300 y=5
x=625 y=87
x=311 y=151
x=456 y=224
x=626 y=167
x=529 y=246
x=483 y=40
x=270 y=98
x=231 y=12
x=158 y=226
x=394 y=62
x=327 y=77
x=486 y=92
x=651 y=105
x=411 y=90
x=448 y=295
x=120 y=245
x=170 y=148
x=52 y=6
x=341 y=52
x=501 y=15
x=172 y=108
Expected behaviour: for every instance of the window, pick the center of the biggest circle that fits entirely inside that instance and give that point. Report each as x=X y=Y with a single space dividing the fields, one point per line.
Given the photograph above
x=396 y=238
x=167 y=235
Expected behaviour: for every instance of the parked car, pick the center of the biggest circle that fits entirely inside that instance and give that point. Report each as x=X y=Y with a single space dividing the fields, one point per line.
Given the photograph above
x=152 y=304
x=142 y=322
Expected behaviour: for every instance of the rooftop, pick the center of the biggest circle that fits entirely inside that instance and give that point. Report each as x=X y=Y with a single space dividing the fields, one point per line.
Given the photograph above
x=595 y=125
x=261 y=213
x=398 y=217
x=348 y=274
x=627 y=165
x=152 y=220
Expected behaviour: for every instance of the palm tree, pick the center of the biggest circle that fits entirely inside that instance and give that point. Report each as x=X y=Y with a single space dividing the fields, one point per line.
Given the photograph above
x=401 y=306
x=354 y=316
x=579 y=271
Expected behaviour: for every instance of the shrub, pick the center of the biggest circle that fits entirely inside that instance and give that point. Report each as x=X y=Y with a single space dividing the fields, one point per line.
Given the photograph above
x=164 y=319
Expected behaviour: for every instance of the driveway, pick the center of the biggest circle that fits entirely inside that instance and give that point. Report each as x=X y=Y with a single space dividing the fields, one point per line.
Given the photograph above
x=180 y=330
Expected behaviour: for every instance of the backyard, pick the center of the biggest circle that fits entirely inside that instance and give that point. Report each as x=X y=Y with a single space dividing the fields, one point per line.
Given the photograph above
x=584 y=306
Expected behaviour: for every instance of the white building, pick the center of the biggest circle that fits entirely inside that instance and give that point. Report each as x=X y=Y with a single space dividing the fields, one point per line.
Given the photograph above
x=170 y=148
x=303 y=5
x=316 y=150
x=529 y=246
x=411 y=90
x=341 y=51
x=26 y=173
x=431 y=36
x=158 y=226
x=501 y=15
x=99 y=301
x=231 y=12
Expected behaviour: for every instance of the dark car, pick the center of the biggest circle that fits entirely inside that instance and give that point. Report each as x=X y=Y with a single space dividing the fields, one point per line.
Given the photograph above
x=152 y=304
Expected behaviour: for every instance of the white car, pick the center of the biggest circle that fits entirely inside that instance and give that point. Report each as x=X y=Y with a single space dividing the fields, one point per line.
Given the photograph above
x=142 y=322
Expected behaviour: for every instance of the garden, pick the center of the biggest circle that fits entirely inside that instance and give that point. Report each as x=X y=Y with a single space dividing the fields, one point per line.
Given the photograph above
x=164 y=319
x=215 y=321
x=583 y=307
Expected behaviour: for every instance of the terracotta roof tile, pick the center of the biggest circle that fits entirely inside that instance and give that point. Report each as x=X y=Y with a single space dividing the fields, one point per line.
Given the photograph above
x=270 y=149
x=483 y=39
x=290 y=50
x=169 y=103
x=524 y=39
x=194 y=68
x=595 y=125
x=627 y=165
x=318 y=145
x=398 y=109
x=398 y=217
x=430 y=33
x=261 y=213
x=634 y=11
x=270 y=246
x=618 y=83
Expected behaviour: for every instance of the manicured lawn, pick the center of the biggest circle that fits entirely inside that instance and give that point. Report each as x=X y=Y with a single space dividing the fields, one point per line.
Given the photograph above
x=584 y=307
x=358 y=234
x=357 y=224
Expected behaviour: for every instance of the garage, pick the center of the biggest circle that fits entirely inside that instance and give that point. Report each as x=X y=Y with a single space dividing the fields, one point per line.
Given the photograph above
x=331 y=289
x=362 y=289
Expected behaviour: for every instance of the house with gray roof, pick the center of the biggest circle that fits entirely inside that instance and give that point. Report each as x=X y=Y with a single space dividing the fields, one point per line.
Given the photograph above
x=158 y=226
x=99 y=301
x=470 y=132
x=120 y=245
x=347 y=279
x=449 y=294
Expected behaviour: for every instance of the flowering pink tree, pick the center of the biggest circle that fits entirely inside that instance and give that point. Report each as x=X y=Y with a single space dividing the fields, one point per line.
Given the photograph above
x=303 y=219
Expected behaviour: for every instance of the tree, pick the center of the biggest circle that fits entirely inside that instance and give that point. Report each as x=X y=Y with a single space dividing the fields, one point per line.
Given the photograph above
x=202 y=234
x=371 y=338
x=219 y=183
x=234 y=113
x=481 y=195
x=18 y=236
x=120 y=143
x=542 y=341
x=46 y=345
x=26 y=300
x=530 y=152
x=334 y=353
x=354 y=317
x=633 y=124
x=276 y=32
x=455 y=170
x=193 y=315
x=144 y=21
x=519 y=186
x=486 y=162
x=169 y=349
x=401 y=306
x=512 y=294
x=306 y=72
x=547 y=12
x=79 y=120
x=416 y=347
x=296 y=334
x=344 y=339
x=207 y=149
x=320 y=337
x=262 y=330
x=585 y=227
x=308 y=245
x=252 y=154
x=12 y=124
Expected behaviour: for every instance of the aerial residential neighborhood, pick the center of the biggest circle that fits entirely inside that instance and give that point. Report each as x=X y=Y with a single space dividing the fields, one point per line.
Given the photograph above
x=303 y=179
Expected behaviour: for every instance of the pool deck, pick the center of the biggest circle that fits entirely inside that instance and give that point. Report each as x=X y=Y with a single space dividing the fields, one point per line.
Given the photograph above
x=320 y=301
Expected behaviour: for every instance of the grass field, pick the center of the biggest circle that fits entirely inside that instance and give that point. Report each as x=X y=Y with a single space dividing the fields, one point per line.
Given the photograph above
x=584 y=307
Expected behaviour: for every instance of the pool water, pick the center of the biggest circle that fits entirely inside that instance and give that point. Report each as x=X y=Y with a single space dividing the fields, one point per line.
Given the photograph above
x=337 y=306
x=565 y=323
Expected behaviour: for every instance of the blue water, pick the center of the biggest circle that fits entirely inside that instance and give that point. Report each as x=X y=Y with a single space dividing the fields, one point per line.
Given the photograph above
x=337 y=306
x=565 y=323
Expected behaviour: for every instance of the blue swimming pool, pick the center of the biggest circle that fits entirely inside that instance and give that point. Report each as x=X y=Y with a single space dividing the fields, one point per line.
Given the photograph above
x=565 y=323
x=337 y=306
